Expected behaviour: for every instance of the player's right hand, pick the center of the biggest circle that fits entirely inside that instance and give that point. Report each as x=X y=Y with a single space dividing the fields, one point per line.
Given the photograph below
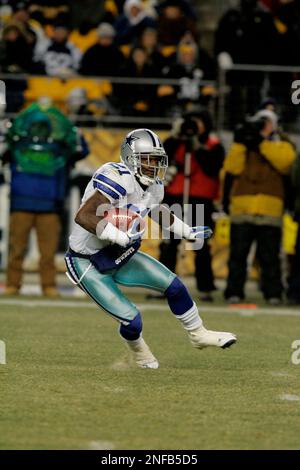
x=135 y=232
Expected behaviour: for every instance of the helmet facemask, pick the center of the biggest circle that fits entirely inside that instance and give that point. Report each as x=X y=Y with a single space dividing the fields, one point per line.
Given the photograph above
x=150 y=167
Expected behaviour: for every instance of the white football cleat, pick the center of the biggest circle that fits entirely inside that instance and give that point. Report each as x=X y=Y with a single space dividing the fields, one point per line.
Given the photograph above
x=202 y=338
x=142 y=354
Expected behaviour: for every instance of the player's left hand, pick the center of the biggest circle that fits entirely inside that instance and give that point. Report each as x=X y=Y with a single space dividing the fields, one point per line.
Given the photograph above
x=200 y=231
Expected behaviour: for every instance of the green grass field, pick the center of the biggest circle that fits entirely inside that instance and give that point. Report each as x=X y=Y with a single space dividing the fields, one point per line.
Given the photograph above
x=69 y=384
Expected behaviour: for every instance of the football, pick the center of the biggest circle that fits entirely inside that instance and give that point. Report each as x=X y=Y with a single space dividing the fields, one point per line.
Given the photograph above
x=123 y=218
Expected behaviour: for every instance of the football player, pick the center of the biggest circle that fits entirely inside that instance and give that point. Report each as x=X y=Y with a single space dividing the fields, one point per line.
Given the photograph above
x=101 y=256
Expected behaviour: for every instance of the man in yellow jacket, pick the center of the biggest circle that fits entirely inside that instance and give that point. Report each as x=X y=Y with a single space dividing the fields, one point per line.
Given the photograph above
x=254 y=188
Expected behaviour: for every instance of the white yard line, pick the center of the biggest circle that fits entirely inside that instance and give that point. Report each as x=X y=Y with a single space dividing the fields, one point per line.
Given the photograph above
x=36 y=303
x=101 y=445
x=289 y=397
x=281 y=375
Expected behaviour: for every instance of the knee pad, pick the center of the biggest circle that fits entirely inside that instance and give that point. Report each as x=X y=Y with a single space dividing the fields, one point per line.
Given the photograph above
x=133 y=330
x=178 y=297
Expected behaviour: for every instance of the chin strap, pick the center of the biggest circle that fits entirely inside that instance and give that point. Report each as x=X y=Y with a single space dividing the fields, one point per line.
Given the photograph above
x=144 y=180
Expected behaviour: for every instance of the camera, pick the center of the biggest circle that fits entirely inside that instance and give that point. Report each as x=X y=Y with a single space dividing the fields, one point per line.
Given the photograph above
x=248 y=132
x=189 y=128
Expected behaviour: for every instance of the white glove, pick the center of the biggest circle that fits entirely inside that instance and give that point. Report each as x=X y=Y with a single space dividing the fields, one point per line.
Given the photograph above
x=183 y=230
x=114 y=235
x=200 y=231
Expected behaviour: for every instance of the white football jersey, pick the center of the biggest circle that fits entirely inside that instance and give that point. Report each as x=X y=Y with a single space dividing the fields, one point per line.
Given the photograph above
x=118 y=184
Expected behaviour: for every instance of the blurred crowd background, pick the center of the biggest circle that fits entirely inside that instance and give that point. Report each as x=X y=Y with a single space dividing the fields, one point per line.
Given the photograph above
x=159 y=57
x=78 y=74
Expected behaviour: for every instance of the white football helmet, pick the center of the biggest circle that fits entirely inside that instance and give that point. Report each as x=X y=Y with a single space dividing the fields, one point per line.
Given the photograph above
x=139 y=150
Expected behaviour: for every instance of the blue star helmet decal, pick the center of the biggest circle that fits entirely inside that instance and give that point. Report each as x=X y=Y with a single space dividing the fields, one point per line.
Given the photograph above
x=130 y=139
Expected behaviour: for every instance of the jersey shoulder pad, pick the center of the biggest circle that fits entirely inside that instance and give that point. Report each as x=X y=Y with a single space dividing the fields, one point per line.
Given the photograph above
x=113 y=180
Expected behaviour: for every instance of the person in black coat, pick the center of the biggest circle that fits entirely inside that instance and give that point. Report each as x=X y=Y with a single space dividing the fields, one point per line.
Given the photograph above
x=249 y=36
x=149 y=42
x=104 y=58
x=191 y=66
x=16 y=52
x=137 y=99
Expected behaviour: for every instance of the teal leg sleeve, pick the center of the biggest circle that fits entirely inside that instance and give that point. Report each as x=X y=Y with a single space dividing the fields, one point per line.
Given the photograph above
x=144 y=271
x=102 y=288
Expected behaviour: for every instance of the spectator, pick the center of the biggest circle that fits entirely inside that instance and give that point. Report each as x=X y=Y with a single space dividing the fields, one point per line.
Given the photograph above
x=254 y=191
x=207 y=154
x=16 y=52
x=149 y=42
x=60 y=57
x=137 y=99
x=270 y=104
x=35 y=34
x=248 y=35
x=192 y=66
x=42 y=145
x=132 y=23
x=22 y=16
x=293 y=292
x=173 y=23
x=104 y=58
x=190 y=59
